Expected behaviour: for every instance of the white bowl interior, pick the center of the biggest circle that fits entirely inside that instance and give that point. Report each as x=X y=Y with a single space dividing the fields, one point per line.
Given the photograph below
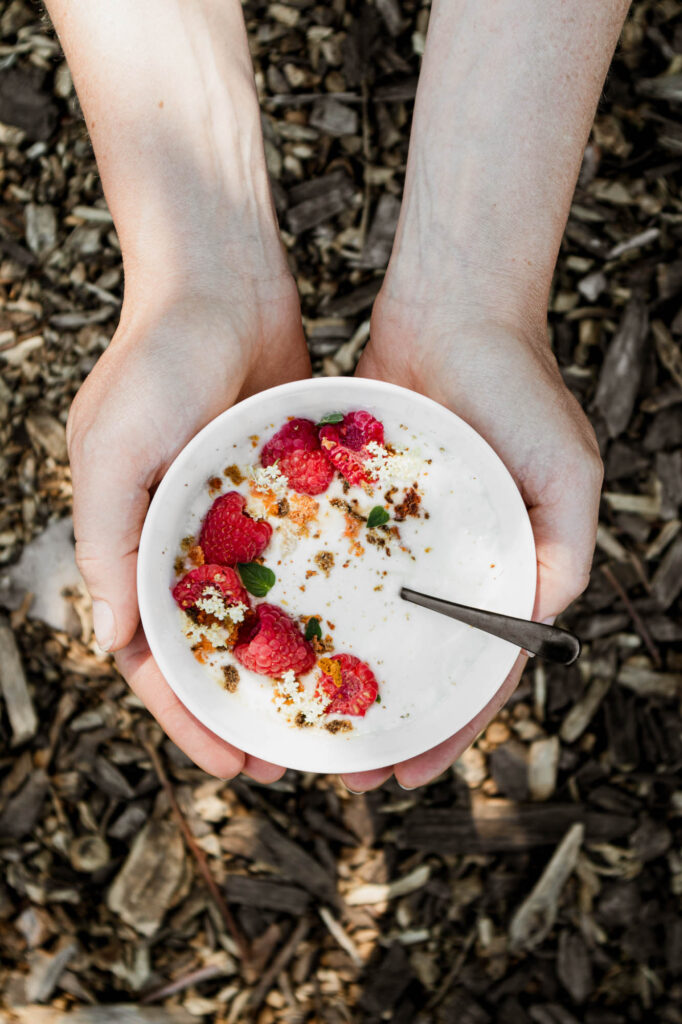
x=435 y=674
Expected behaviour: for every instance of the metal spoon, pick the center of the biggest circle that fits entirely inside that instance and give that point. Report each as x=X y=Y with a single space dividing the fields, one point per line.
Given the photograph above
x=548 y=642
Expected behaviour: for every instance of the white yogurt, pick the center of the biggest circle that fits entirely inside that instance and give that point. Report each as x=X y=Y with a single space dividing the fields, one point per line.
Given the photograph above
x=451 y=549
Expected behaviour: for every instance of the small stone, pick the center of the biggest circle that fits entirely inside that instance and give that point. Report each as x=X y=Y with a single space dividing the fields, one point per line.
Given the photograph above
x=543 y=762
x=88 y=854
x=471 y=767
x=497 y=733
x=41 y=228
x=36 y=925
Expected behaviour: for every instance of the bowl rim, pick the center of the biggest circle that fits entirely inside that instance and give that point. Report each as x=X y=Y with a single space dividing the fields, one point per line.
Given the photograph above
x=182 y=462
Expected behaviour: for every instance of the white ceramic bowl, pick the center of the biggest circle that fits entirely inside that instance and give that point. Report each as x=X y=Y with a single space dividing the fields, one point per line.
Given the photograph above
x=435 y=674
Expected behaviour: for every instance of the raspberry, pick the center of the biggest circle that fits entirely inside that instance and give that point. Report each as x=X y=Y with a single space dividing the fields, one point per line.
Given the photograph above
x=358 y=689
x=346 y=444
x=296 y=447
x=194 y=585
x=307 y=472
x=295 y=435
x=272 y=644
x=229 y=536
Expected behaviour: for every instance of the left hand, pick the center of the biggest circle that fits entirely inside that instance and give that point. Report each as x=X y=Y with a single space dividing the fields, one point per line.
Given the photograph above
x=502 y=378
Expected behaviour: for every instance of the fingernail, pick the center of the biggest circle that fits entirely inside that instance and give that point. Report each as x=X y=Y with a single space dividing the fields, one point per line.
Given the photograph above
x=103 y=624
x=549 y=621
x=355 y=792
x=408 y=789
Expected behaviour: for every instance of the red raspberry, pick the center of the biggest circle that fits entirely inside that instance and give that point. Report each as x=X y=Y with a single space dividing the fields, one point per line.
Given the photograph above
x=296 y=447
x=196 y=582
x=307 y=472
x=296 y=435
x=229 y=536
x=272 y=644
x=346 y=444
x=358 y=689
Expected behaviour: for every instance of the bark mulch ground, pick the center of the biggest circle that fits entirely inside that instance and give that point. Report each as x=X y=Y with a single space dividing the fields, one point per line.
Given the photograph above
x=540 y=879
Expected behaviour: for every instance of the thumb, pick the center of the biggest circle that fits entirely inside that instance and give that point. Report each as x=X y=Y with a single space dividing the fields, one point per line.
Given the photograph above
x=110 y=501
x=564 y=526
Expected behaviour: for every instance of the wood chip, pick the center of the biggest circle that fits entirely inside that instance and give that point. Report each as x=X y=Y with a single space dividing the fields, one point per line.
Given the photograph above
x=369 y=894
x=151 y=878
x=584 y=710
x=534 y=919
x=112 y=1013
x=47 y=435
x=648 y=683
x=667 y=581
x=340 y=935
x=20 y=710
x=622 y=369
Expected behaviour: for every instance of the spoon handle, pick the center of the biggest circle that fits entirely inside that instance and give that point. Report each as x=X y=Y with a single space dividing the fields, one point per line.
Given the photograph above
x=549 y=642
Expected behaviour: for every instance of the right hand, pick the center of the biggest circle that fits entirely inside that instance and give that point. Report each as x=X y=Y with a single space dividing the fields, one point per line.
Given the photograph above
x=172 y=366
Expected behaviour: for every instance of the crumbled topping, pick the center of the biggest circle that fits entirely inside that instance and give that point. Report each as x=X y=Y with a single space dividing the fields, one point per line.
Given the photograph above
x=195 y=631
x=269 y=478
x=389 y=465
x=338 y=725
x=231 y=678
x=196 y=555
x=409 y=506
x=331 y=667
x=324 y=560
x=213 y=603
x=234 y=475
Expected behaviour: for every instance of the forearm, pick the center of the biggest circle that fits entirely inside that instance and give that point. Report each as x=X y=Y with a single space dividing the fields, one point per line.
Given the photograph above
x=506 y=98
x=168 y=95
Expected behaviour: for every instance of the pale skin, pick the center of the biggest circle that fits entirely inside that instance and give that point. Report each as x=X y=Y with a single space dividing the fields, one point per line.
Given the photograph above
x=507 y=94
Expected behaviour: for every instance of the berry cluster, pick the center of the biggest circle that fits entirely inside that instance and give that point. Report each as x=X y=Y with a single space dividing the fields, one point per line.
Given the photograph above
x=307 y=455
x=265 y=639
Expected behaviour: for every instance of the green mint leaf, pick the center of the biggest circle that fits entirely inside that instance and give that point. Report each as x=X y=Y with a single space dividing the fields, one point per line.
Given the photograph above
x=312 y=629
x=332 y=417
x=378 y=699
x=257 y=578
x=377 y=517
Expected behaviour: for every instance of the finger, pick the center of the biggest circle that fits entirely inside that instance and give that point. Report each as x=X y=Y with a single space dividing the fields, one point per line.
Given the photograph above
x=361 y=782
x=262 y=771
x=110 y=500
x=215 y=755
x=417 y=771
x=564 y=525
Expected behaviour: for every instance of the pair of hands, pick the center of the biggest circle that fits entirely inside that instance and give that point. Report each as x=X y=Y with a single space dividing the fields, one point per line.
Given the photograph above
x=175 y=364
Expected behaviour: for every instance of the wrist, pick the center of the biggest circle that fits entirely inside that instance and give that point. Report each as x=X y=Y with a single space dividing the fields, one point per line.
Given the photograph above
x=198 y=207
x=427 y=291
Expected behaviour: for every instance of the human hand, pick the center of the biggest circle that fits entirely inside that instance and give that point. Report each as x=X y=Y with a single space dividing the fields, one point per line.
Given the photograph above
x=173 y=365
x=504 y=381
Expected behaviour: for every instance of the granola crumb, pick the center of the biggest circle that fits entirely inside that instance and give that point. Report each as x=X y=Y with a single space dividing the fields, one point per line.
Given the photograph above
x=187 y=542
x=231 y=678
x=234 y=474
x=324 y=560
x=179 y=566
x=301 y=721
x=283 y=508
x=409 y=506
x=323 y=645
x=338 y=725
x=331 y=667
x=196 y=555
x=215 y=485
x=388 y=496
x=254 y=439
